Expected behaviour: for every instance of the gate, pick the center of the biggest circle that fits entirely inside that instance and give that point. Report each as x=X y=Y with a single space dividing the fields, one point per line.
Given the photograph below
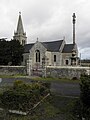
x=37 y=70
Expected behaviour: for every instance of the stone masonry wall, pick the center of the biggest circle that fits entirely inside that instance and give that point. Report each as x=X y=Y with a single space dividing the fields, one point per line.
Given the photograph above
x=12 y=70
x=65 y=72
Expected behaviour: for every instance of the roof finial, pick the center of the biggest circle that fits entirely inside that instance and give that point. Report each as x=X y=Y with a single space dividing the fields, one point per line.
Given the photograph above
x=19 y=13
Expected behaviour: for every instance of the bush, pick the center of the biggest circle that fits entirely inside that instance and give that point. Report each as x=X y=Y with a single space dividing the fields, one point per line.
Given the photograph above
x=23 y=96
x=74 y=78
x=82 y=107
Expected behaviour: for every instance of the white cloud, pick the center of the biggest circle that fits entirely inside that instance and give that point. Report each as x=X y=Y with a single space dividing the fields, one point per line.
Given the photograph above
x=48 y=20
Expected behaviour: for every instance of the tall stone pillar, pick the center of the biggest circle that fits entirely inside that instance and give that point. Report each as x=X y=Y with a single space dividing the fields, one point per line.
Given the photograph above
x=74 y=21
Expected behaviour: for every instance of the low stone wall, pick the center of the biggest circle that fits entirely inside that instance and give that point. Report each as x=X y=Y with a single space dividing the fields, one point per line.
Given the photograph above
x=12 y=70
x=66 y=72
x=51 y=71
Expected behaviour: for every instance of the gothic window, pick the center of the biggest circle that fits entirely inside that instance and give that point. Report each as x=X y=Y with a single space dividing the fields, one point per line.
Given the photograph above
x=66 y=62
x=23 y=42
x=37 y=56
x=54 y=58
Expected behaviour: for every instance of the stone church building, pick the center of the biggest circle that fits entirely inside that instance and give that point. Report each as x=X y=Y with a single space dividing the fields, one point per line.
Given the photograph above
x=49 y=53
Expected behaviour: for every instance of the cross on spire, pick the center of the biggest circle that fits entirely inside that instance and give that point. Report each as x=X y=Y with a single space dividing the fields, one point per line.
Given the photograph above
x=19 y=13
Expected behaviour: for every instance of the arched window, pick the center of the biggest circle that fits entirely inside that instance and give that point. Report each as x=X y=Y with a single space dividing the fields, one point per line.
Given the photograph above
x=37 y=56
x=67 y=62
x=54 y=58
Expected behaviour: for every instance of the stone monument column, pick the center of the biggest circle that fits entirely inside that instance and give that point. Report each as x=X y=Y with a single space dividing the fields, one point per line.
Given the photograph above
x=74 y=21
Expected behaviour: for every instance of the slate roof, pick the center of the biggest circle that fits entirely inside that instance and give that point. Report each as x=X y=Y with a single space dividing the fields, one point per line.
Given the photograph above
x=68 y=48
x=53 y=46
x=27 y=47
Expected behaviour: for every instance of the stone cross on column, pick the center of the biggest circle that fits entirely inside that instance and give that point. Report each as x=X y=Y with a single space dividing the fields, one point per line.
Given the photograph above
x=74 y=20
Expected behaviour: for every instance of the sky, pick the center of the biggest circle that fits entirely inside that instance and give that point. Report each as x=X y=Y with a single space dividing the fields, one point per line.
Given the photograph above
x=48 y=20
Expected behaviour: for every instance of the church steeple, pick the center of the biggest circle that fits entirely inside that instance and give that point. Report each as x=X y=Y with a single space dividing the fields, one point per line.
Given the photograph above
x=20 y=29
x=20 y=35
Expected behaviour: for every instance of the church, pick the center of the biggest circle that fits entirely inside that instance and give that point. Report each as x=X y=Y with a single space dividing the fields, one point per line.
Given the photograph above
x=48 y=53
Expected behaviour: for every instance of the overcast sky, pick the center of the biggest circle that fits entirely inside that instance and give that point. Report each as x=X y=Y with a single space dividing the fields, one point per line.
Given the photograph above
x=48 y=20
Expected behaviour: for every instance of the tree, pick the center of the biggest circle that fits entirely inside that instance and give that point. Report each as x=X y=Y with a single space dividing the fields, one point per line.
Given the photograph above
x=85 y=96
x=16 y=52
x=10 y=52
x=82 y=106
x=4 y=52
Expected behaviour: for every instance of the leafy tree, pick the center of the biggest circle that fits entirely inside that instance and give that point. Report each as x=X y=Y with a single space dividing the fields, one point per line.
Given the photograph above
x=85 y=96
x=10 y=52
x=82 y=106
x=16 y=52
x=4 y=52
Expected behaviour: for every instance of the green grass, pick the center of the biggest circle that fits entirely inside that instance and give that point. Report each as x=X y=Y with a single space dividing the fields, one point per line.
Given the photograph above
x=47 y=79
x=54 y=108
x=13 y=76
x=57 y=80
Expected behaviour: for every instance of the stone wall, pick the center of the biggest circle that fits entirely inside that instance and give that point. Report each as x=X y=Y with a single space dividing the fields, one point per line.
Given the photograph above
x=12 y=70
x=66 y=72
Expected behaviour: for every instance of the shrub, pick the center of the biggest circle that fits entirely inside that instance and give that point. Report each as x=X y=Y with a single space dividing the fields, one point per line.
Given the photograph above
x=82 y=107
x=22 y=96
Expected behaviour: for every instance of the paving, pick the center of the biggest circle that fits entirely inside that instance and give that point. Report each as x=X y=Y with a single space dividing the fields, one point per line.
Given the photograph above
x=60 y=88
x=66 y=89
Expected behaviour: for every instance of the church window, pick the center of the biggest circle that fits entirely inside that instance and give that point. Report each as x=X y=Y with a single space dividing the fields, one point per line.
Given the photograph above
x=37 y=56
x=66 y=62
x=54 y=58
x=23 y=42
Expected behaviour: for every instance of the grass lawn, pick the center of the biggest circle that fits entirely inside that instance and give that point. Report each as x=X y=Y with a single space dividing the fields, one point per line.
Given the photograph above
x=57 y=80
x=13 y=76
x=47 y=79
x=53 y=108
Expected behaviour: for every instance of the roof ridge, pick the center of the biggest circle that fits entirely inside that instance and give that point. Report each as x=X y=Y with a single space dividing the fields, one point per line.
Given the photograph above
x=69 y=44
x=51 y=41
x=30 y=44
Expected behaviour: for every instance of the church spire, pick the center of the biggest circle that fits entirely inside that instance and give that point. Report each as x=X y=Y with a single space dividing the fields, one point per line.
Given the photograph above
x=20 y=35
x=20 y=29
